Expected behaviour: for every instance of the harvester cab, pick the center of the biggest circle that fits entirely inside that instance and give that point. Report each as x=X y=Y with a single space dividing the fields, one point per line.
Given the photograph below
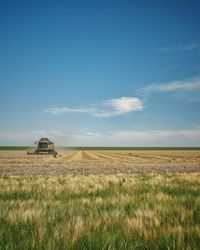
x=44 y=146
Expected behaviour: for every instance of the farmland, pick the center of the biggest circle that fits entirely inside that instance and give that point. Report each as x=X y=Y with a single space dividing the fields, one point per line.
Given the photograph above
x=16 y=162
x=100 y=199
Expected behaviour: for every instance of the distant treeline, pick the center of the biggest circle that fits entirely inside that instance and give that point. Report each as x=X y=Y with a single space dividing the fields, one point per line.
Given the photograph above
x=105 y=148
x=134 y=148
x=13 y=147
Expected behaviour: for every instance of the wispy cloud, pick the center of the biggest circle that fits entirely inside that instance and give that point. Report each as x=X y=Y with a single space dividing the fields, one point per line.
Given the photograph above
x=186 y=137
x=62 y=110
x=168 y=68
x=156 y=134
x=189 y=85
x=179 y=48
x=188 y=89
x=108 y=108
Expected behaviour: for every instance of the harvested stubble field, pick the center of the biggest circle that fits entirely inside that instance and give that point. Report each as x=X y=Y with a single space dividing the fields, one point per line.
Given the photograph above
x=100 y=200
x=16 y=162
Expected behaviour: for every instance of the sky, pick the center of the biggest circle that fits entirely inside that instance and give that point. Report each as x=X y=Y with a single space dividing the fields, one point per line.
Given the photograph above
x=100 y=73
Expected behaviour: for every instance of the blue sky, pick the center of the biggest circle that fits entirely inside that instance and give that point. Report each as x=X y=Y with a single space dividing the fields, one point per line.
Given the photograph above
x=100 y=73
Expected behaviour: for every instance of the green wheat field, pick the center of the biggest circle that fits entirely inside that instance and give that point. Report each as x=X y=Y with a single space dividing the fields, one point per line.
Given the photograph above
x=137 y=211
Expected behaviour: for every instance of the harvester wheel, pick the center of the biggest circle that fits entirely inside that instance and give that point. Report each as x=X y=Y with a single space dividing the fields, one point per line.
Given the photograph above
x=56 y=155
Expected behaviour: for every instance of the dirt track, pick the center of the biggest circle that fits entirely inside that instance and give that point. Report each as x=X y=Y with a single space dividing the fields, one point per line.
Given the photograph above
x=100 y=162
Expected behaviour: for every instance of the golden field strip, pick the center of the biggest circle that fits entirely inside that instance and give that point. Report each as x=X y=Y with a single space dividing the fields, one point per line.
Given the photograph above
x=100 y=199
x=16 y=162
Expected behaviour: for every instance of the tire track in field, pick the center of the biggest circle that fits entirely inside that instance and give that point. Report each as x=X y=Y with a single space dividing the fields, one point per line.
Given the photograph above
x=146 y=157
x=127 y=157
x=104 y=156
x=166 y=157
x=132 y=158
x=119 y=157
x=90 y=156
x=116 y=157
x=106 y=159
x=76 y=156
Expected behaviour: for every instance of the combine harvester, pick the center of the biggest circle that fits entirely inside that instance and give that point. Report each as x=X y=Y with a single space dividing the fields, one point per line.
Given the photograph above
x=44 y=146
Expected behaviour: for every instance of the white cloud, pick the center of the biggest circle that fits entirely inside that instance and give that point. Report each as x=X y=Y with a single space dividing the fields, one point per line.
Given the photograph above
x=109 y=108
x=120 y=106
x=188 y=85
x=189 y=47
